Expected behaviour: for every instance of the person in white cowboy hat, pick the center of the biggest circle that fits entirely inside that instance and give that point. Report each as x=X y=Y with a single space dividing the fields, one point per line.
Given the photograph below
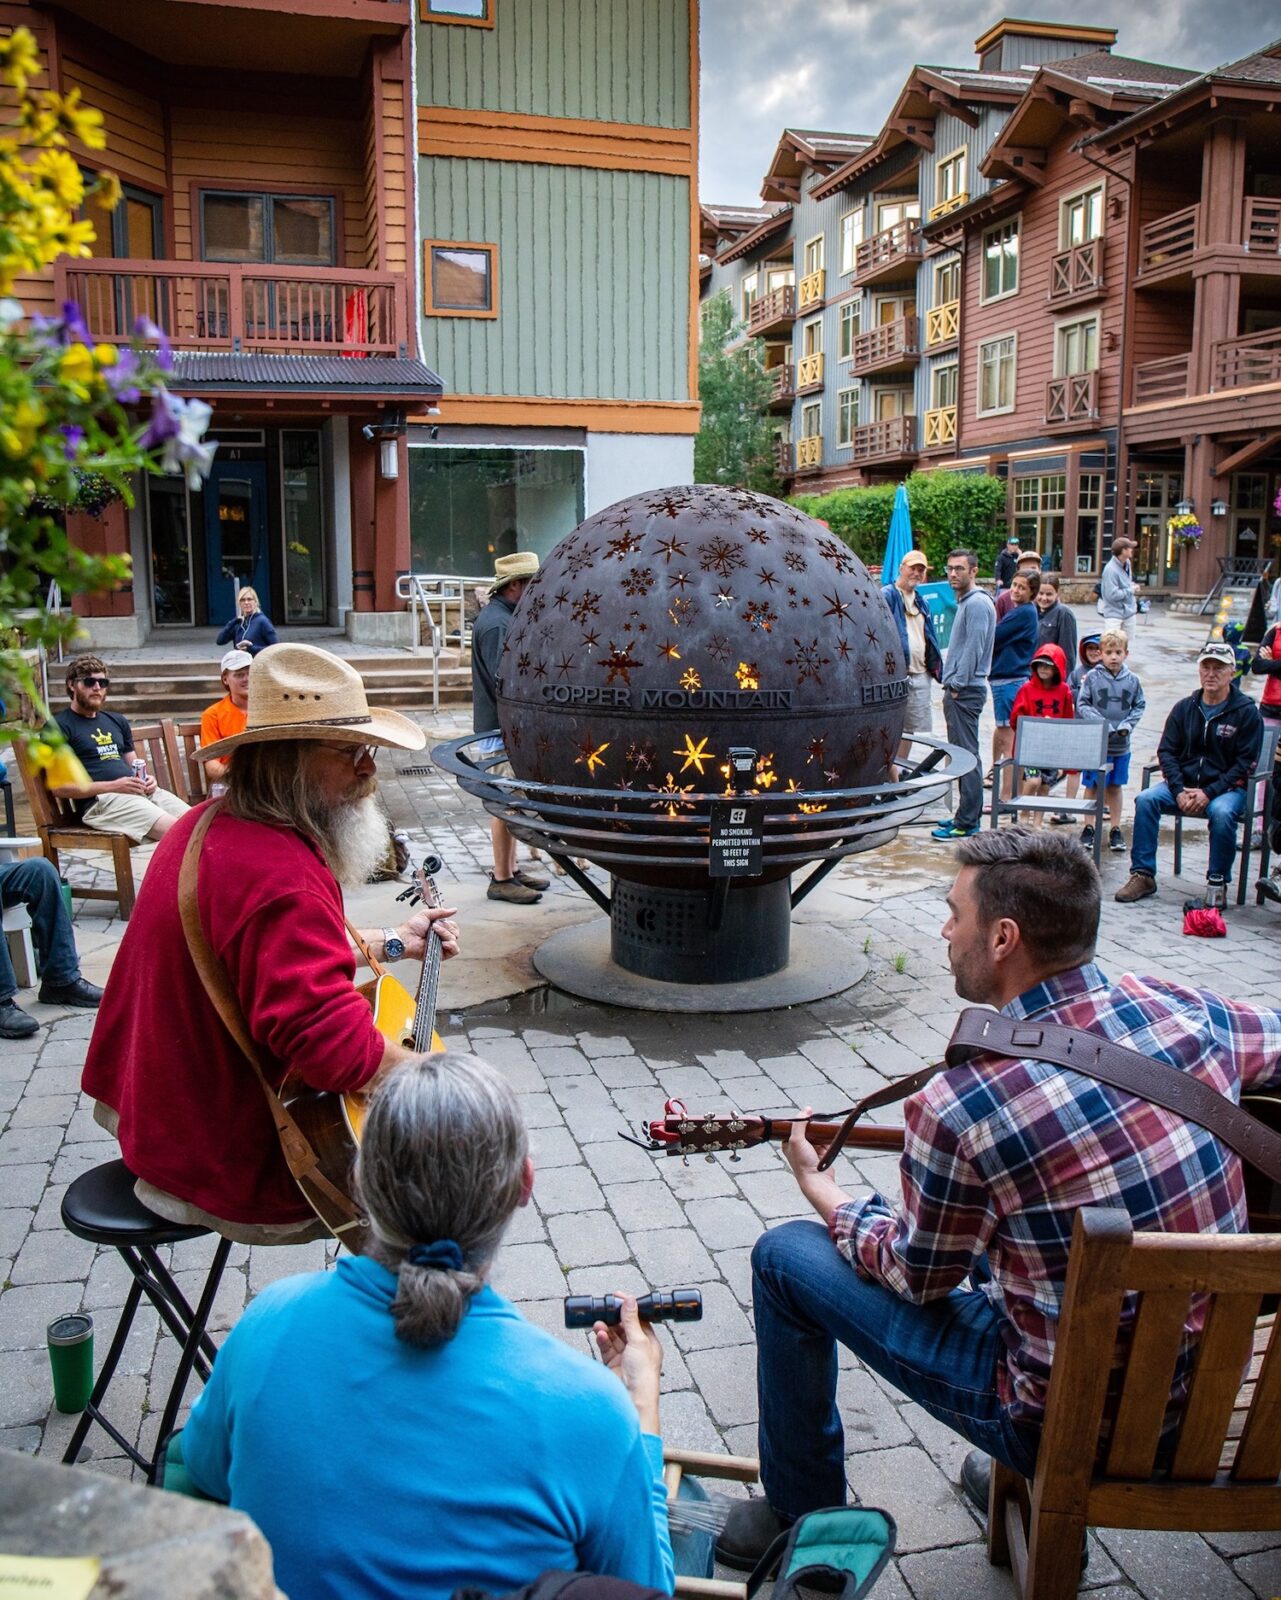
x=517 y=885
x=299 y=820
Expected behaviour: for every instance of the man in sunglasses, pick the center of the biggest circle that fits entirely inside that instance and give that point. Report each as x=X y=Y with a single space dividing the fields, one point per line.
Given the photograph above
x=116 y=800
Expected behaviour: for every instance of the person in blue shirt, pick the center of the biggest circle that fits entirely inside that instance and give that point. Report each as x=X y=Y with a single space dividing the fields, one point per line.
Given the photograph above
x=252 y=629
x=396 y=1427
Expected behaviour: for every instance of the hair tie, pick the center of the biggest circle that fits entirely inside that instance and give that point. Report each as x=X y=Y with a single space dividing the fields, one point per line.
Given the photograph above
x=443 y=1253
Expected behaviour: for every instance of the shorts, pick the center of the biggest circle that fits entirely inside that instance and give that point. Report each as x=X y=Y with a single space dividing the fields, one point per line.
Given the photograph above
x=1049 y=776
x=132 y=814
x=1117 y=773
x=919 y=716
x=1004 y=694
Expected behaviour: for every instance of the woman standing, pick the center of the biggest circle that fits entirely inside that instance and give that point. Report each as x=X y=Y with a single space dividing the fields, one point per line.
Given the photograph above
x=252 y=629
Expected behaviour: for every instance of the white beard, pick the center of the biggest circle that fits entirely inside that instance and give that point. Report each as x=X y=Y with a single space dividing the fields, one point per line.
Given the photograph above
x=356 y=841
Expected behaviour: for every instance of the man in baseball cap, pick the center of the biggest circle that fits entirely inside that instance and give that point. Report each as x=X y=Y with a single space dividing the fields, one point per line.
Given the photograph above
x=919 y=643
x=1209 y=747
x=227 y=716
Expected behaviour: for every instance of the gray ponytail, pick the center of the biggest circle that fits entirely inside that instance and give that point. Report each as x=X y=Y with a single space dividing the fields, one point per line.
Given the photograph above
x=442 y=1157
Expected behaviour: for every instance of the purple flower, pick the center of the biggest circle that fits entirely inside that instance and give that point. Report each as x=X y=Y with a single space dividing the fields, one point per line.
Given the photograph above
x=73 y=437
x=145 y=328
x=74 y=324
x=180 y=425
x=164 y=418
x=122 y=379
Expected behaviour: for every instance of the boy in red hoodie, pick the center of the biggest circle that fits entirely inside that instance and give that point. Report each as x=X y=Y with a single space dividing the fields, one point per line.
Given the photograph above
x=1045 y=694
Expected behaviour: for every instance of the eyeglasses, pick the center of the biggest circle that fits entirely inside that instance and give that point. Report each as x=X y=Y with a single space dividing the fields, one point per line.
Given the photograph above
x=355 y=753
x=94 y=682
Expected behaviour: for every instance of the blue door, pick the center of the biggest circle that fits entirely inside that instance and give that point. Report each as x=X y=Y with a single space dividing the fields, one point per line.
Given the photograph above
x=235 y=536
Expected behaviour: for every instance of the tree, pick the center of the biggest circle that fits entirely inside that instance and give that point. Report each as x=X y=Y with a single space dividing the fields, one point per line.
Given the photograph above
x=735 y=443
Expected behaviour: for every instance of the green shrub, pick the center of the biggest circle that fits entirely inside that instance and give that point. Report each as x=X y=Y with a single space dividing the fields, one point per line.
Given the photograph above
x=948 y=509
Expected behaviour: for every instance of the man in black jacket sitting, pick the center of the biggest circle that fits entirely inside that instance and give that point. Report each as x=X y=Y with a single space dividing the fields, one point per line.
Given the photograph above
x=1209 y=747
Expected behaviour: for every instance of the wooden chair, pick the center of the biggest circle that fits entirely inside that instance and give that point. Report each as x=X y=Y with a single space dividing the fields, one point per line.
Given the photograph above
x=1227 y=1458
x=1055 y=744
x=189 y=768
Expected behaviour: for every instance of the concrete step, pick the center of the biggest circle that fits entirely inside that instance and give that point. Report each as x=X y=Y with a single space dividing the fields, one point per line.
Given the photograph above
x=182 y=689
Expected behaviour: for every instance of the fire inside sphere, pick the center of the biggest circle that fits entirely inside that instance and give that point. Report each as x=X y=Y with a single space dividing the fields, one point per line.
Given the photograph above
x=682 y=622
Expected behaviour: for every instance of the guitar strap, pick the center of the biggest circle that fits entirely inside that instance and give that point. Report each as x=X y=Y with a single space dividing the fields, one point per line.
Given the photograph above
x=332 y=1206
x=980 y=1032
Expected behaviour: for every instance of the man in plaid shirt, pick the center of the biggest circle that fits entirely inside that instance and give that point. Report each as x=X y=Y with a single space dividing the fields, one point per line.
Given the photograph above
x=955 y=1295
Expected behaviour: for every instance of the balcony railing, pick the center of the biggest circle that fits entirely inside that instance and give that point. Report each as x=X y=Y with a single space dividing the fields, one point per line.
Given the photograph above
x=783 y=385
x=890 y=439
x=777 y=309
x=1166 y=379
x=809 y=372
x=1262 y=226
x=784 y=460
x=1238 y=363
x=214 y=306
x=890 y=252
x=943 y=324
x=809 y=453
x=809 y=291
x=953 y=202
x=889 y=344
x=1169 y=240
x=1072 y=399
x=1077 y=274
x=940 y=426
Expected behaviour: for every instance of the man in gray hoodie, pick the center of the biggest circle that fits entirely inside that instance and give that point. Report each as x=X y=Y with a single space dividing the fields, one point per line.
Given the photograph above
x=1118 y=597
x=965 y=671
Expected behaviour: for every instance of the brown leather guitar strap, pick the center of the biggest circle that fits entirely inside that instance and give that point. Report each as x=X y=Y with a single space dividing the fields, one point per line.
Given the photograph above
x=981 y=1032
x=332 y=1206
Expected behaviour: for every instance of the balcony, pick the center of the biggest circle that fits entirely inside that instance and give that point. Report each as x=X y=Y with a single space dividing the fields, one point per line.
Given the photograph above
x=1072 y=400
x=809 y=373
x=1240 y=363
x=1077 y=274
x=1262 y=226
x=1156 y=381
x=944 y=208
x=940 y=427
x=943 y=324
x=809 y=453
x=809 y=291
x=205 y=305
x=889 y=347
x=891 y=439
x=892 y=253
x=774 y=312
x=783 y=388
x=1167 y=245
x=784 y=461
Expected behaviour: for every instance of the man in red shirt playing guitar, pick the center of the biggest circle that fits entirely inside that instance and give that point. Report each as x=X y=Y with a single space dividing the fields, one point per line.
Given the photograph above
x=298 y=821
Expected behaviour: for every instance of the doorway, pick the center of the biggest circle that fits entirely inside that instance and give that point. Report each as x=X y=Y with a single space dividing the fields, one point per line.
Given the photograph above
x=235 y=501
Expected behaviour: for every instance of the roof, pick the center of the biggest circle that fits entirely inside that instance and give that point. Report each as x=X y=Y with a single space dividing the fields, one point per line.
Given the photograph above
x=1261 y=68
x=799 y=148
x=736 y=216
x=1101 y=67
x=369 y=375
x=742 y=246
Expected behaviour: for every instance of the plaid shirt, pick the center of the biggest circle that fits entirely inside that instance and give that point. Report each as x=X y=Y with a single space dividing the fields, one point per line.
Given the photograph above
x=1000 y=1155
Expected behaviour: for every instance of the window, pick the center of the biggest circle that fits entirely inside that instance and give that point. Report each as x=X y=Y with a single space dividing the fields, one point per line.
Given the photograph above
x=461 y=280
x=812 y=337
x=890 y=212
x=1081 y=217
x=751 y=293
x=133 y=231
x=293 y=230
x=943 y=386
x=811 y=420
x=475 y=13
x=996 y=375
x=846 y=415
x=1039 y=504
x=779 y=278
x=1089 y=522
x=1000 y=261
x=891 y=403
x=851 y=325
x=814 y=255
x=468 y=505
x=851 y=238
x=947 y=282
x=1076 y=347
x=949 y=181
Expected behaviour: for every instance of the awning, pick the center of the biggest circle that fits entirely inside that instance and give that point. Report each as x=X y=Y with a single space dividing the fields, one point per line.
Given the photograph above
x=247 y=372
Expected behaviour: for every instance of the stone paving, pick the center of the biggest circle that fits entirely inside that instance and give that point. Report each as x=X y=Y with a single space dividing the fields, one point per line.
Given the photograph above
x=608 y=1216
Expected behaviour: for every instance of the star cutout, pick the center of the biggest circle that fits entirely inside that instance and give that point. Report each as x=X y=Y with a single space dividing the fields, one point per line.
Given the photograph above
x=668 y=651
x=589 y=757
x=817 y=750
x=836 y=607
x=565 y=665
x=590 y=641
x=696 y=755
x=671 y=546
x=724 y=597
x=678 y=580
x=767 y=577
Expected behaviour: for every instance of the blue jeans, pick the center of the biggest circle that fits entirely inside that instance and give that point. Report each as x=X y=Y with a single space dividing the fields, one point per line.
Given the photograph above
x=1151 y=804
x=35 y=884
x=943 y=1355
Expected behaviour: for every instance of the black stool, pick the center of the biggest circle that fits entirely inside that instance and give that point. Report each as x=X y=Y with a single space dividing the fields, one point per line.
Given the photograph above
x=101 y=1206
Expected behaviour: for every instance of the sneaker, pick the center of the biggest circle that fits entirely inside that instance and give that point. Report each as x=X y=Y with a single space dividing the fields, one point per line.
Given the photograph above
x=1061 y=817
x=531 y=880
x=1216 y=891
x=15 y=1023
x=513 y=891
x=1116 y=841
x=1138 y=886
x=1270 y=887
x=87 y=996
x=952 y=830
x=750 y=1528
x=1087 y=836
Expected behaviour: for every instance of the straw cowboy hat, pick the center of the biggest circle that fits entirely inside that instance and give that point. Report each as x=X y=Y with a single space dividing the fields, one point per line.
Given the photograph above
x=299 y=692
x=524 y=564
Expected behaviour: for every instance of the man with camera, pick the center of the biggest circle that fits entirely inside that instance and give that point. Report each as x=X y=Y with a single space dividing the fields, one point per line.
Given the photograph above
x=954 y=1294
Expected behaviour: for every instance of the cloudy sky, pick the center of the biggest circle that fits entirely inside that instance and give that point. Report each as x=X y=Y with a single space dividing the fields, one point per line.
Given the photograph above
x=837 y=64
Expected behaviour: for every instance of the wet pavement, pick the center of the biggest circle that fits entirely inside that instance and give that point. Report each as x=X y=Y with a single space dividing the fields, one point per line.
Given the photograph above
x=608 y=1216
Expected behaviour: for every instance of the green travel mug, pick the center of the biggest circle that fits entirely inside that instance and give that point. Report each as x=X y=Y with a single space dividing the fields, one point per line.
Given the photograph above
x=71 y=1357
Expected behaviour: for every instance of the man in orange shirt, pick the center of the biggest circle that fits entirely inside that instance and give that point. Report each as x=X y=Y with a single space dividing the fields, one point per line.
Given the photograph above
x=227 y=717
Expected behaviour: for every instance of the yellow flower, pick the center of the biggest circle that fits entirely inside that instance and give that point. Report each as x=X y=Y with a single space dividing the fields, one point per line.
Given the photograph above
x=19 y=428
x=61 y=766
x=60 y=176
x=19 y=58
x=71 y=239
x=75 y=121
x=107 y=192
x=76 y=370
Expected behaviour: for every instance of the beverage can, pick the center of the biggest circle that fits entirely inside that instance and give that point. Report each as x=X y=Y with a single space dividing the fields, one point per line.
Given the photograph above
x=140 y=770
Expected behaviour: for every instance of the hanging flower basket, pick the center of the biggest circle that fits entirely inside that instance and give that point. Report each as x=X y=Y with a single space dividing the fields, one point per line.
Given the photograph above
x=94 y=494
x=1186 y=530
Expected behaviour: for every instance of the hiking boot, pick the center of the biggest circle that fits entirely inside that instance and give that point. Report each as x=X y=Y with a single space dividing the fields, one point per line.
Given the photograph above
x=531 y=880
x=952 y=830
x=1216 y=891
x=1270 y=887
x=1138 y=886
x=513 y=891
x=1087 y=836
x=1116 y=841
x=87 y=996
x=15 y=1022
x=751 y=1527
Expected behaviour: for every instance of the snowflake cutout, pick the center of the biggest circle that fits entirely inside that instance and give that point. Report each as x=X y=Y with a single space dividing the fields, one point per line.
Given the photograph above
x=809 y=661
x=721 y=556
x=696 y=755
x=837 y=554
x=640 y=756
x=669 y=505
x=891 y=664
x=627 y=544
x=690 y=680
x=620 y=663
x=536 y=607
x=681 y=611
x=794 y=560
x=546 y=634
x=748 y=675
x=580 y=561
x=640 y=580
x=831 y=774
x=671 y=546
x=758 y=535
x=672 y=802
x=766 y=777
x=718 y=647
x=760 y=615
x=587 y=605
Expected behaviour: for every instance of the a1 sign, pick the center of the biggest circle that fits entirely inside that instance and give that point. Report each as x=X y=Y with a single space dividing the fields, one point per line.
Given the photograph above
x=737 y=840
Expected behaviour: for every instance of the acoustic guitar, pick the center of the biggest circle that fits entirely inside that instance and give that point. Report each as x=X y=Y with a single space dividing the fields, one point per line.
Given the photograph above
x=332 y=1123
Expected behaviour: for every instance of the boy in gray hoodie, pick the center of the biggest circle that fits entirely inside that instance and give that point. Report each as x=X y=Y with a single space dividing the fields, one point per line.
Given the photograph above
x=1111 y=693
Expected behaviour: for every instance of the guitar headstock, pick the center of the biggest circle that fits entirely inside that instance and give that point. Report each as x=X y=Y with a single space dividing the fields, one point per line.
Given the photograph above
x=679 y=1133
x=423 y=889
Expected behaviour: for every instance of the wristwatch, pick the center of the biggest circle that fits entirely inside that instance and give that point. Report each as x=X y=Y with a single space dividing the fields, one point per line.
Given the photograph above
x=393 y=945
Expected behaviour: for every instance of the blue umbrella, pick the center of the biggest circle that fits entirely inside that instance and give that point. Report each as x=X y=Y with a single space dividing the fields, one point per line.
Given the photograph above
x=900 y=539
